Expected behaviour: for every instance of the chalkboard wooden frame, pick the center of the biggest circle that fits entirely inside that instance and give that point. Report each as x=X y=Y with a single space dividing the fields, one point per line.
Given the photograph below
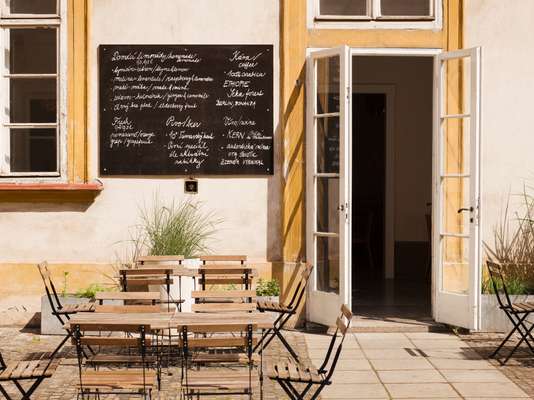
x=166 y=110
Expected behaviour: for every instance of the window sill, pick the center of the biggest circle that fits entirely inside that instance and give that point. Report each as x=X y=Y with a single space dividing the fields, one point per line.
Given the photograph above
x=50 y=192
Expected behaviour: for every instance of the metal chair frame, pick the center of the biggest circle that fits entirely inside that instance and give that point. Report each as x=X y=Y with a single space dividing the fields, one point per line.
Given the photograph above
x=146 y=394
x=516 y=315
x=285 y=314
x=327 y=368
x=26 y=393
x=56 y=306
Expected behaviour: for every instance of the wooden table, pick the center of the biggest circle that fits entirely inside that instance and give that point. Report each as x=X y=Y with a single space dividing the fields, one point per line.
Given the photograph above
x=125 y=296
x=260 y=320
x=106 y=321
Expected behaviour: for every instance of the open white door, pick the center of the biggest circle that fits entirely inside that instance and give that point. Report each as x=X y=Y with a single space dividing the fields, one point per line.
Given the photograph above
x=327 y=183
x=457 y=169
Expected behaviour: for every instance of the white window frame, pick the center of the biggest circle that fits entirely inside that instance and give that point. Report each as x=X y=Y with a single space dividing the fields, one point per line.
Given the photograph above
x=374 y=20
x=34 y=21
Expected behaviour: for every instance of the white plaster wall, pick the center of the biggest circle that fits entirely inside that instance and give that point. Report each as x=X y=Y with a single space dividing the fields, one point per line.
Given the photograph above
x=504 y=29
x=249 y=206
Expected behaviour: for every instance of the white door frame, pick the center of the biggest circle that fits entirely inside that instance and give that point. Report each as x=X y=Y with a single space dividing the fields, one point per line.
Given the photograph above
x=323 y=306
x=409 y=52
x=389 y=211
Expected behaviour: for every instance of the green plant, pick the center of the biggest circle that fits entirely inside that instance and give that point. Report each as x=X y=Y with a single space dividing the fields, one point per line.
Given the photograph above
x=268 y=288
x=64 y=288
x=90 y=291
x=176 y=228
x=513 y=246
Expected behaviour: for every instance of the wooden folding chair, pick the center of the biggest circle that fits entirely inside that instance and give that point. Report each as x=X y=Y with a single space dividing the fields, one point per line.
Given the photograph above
x=60 y=311
x=236 y=340
x=285 y=311
x=517 y=313
x=154 y=270
x=35 y=371
x=287 y=373
x=140 y=381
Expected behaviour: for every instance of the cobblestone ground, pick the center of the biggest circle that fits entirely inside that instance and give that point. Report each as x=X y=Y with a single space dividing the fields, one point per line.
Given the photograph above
x=519 y=369
x=22 y=345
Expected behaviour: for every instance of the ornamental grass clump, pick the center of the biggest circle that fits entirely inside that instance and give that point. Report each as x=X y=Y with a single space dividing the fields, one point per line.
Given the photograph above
x=178 y=228
x=513 y=247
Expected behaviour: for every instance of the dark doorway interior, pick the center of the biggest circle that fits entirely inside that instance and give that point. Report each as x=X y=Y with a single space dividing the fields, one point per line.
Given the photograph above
x=408 y=295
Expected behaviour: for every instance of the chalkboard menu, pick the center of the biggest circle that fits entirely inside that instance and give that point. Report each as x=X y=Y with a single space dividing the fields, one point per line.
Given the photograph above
x=192 y=110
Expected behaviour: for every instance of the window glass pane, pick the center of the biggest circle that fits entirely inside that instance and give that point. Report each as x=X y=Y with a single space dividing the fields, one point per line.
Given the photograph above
x=416 y=8
x=33 y=101
x=33 y=150
x=343 y=7
x=328 y=144
x=32 y=6
x=456 y=145
x=327 y=205
x=455 y=197
x=328 y=85
x=456 y=86
x=328 y=264
x=455 y=278
x=32 y=51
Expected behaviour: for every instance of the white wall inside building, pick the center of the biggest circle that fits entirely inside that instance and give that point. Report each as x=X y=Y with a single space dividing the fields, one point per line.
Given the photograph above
x=248 y=206
x=411 y=78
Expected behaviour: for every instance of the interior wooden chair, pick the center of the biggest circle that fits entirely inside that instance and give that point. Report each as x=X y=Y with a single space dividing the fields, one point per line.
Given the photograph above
x=288 y=374
x=139 y=380
x=61 y=311
x=34 y=372
x=517 y=313
x=285 y=311
x=235 y=340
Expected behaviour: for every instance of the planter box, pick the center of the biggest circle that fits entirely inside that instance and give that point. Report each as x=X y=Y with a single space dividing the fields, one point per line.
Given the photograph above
x=49 y=323
x=493 y=318
x=188 y=285
x=274 y=299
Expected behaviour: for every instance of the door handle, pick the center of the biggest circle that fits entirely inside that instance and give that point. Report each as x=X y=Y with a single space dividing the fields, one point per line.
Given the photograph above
x=470 y=209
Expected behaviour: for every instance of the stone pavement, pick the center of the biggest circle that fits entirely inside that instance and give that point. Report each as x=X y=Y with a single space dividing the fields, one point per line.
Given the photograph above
x=419 y=365
x=372 y=366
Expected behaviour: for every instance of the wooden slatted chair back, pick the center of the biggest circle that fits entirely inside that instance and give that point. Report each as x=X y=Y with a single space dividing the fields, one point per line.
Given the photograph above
x=238 y=338
x=498 y=283
x=143 y=260
x=50 y=289
x=336 y=343
x=300 y=290
x=128 y=309
x=141 y=343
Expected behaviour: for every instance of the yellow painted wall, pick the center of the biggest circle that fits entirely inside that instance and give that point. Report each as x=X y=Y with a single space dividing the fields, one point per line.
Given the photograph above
x=296 y=38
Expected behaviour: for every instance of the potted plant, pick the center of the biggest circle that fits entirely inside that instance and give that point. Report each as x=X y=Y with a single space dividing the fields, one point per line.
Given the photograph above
x=175 y=228
x=513 y=248
x=268 y=290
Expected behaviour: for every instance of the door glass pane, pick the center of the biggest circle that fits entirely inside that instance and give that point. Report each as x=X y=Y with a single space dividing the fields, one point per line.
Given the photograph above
x=328 y=85
x=405 y=7
x=327 y=205
x=33 y=101
x=456 y=145
x=455 y=253
x=328 y=145
x=456 y=197
x=32 y=6
x=33 y=150
x=32 y=51
x=343 y=7
x=327 y=264
x=457 y=86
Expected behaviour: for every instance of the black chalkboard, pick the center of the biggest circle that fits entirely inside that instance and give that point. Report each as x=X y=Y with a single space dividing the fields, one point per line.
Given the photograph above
x=189 y=110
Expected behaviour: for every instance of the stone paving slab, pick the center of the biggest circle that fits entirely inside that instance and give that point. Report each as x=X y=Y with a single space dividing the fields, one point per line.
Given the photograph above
x=426 y=366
